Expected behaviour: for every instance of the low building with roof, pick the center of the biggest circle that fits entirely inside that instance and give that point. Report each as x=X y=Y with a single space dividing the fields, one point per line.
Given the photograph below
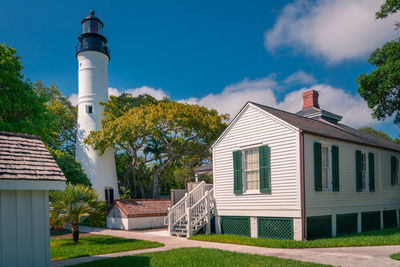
x=138 y=213
x=298 y=176
x=27 y=172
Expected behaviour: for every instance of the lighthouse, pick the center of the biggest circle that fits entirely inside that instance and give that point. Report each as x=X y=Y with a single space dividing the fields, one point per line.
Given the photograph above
x=93 y=56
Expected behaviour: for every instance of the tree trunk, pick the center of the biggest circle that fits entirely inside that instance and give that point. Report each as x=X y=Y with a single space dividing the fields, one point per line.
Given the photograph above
x=75 y=232
x=156 y=193
x=133 y=163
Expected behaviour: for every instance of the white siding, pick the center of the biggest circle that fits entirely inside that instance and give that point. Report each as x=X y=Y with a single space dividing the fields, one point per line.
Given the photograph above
x=136 y=223
x=348 y=200
x=24 y=228
x=255 y=127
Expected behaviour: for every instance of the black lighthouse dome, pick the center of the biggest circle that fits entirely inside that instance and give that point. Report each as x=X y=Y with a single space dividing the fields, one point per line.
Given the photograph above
x=92 y=38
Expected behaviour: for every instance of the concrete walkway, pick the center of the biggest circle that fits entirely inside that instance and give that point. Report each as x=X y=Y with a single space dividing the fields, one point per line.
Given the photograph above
x=345 y=256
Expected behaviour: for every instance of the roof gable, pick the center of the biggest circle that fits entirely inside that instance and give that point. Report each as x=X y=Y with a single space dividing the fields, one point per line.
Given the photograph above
x=242 y=111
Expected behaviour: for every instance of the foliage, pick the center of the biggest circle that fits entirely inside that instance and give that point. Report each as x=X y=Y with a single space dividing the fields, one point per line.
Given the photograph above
x=380 y=88
x=388 y=8
x=65 y=116
x=71 y=168
x=22 y=108
x=203 y=257
x=155 y=136
x=125 y=193
x=123 y=128
x=95 y=245
x=74 y=203
x=180 y=129
x=373 y=238
x=375 y=132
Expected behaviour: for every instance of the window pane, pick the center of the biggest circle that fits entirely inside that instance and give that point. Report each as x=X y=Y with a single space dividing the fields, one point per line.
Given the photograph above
x=325 y=167
x=251 y=169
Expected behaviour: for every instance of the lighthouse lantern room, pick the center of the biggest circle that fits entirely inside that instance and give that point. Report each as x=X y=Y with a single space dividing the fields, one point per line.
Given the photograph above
x=93 y=56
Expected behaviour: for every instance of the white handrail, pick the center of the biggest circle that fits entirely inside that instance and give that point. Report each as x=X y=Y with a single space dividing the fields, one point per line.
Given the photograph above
x=176 y=212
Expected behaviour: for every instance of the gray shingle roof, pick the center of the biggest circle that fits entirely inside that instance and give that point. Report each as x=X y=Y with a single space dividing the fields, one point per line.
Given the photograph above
x=208 y=167
x=24 y=157
x=326 y=129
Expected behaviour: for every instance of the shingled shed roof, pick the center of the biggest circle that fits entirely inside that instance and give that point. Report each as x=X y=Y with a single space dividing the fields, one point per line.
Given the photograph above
x=24 y=157
x=330 y=130
x=143 y=207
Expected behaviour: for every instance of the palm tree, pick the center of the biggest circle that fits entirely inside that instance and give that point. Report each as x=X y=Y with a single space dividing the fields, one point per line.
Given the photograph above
x=73 y=204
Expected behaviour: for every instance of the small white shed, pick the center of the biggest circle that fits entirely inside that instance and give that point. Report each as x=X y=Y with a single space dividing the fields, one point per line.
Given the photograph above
x=27 y=172
x=138 y=214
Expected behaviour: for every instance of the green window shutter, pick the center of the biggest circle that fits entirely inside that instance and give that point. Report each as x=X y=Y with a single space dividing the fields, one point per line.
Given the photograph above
x=393 y=168
x=335 y=168
x=358 y=171
x=317 y=167
x=265 y=170
x=371 y=171
x=237 y=172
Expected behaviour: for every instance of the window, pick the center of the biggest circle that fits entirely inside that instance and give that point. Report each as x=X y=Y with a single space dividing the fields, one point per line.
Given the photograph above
x=364 y=172
x=89 y=109
x=395 y=171
x=325 y=168
x=251 y=170
x=109 y=195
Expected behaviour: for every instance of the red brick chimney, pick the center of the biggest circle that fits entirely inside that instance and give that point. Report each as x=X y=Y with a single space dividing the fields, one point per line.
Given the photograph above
x=310 y=99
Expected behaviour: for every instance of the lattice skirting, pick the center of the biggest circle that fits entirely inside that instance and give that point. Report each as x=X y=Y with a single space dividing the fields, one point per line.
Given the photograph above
x=319 y=227
x=275 y=228
x=235 y=225
x=346 y=224
x=389 y=219
x=370 y=221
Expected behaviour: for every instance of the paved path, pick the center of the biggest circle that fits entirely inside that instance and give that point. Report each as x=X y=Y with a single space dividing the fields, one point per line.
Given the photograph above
x=347 y=256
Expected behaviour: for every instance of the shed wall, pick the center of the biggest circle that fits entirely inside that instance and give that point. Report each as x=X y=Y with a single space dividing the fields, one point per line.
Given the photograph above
x=24 y=228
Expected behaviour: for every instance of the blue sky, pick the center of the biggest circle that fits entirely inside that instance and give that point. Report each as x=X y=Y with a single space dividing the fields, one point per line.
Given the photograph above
x=215 y=53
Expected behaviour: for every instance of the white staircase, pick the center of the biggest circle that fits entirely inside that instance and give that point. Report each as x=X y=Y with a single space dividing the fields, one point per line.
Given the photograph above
x=193 y=212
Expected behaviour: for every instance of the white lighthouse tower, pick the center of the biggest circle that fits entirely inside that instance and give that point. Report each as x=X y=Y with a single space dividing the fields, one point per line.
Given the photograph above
x=93 y=56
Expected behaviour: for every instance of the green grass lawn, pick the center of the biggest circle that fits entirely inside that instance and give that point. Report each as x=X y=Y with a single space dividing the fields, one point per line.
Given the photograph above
x=95 y=245
x=373 y=238
x=396 y=256
x=197 y=257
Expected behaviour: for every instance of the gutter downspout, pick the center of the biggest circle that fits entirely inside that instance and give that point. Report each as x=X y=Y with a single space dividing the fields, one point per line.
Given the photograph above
x=302 y=183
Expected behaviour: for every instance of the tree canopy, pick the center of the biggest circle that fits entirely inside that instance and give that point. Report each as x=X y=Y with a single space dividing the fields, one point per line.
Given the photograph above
x=22 y=108
x=155 y=134
x=41 y=110
x=381 y=87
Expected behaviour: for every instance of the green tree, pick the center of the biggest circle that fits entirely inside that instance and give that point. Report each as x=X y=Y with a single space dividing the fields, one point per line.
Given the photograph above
x=123 y=128
x=180 y=130
x=22 y=108
x=65 y=115
x=375 y=132
x=381 y=87
x=71 y=168
x=75 y=203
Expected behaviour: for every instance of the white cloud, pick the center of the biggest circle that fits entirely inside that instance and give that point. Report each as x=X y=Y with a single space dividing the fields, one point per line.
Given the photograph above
x=335 y=29
x=300 y=77
x=73 y=98
x=263 y=91
x=156 y=93
x=234 y=96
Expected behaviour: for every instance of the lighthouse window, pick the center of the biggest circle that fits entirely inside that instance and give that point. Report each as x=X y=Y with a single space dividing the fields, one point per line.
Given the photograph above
x=89 y=109
x=109 y=195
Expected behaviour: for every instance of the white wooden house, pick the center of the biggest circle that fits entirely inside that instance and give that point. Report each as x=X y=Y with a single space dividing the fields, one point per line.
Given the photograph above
x=299 y=176
x=27 y=173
